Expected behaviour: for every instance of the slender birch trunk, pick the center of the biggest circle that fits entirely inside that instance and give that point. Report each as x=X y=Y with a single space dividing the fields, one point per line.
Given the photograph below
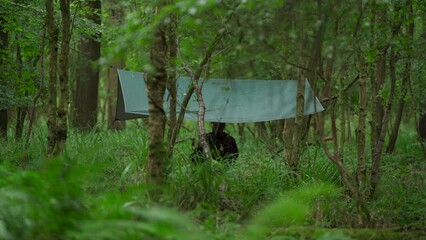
x=201 y=114
x=196 y=76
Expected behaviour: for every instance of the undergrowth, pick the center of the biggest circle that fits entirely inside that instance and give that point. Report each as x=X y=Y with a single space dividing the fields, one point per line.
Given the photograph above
x=96 y=190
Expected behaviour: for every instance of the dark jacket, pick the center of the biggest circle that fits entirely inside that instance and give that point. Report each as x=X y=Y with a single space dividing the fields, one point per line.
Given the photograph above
x=222 y=147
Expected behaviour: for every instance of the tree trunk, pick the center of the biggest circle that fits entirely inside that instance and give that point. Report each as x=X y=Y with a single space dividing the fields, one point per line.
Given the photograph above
x=62 y=114
x=361 y=174
x=3 y=124
x=172 y=44
x=241 y=134
x=53 y=34
x=407 y=75
x=378 y=150
x=316 y=65
x=201 y=114
x=422 y=124
x=156 y=84
x=276 y=129
x=87 y=81
x=342 y=111
x=380 y=24
x=376 y=159
x=288 y=133
x=261 y=130
x=298 y=124
x=22 y=110
x=334 y=133
x=348 y=125
x=206 y=58
x=377 y=111
x=4 y=42
x=347 y=178
x=21 y=114
x=395 y=129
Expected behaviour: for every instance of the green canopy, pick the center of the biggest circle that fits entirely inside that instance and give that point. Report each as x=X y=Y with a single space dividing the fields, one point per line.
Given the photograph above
x=229 y=101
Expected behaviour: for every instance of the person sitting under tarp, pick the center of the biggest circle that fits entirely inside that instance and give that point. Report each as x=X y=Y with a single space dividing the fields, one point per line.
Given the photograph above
x=222 y=145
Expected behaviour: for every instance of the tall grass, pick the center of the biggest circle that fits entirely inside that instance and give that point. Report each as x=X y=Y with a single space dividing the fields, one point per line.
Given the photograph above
x=97 y=189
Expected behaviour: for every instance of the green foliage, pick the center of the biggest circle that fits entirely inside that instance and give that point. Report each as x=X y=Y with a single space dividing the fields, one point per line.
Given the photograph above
x=134 y=222
x=19 y=75
x=403 y=190
x=311 y=233
x=290 y=209
x=33 y=204
x=96 y=191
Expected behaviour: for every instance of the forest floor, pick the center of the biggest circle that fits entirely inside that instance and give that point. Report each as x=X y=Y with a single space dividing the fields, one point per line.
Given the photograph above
x=96 y=190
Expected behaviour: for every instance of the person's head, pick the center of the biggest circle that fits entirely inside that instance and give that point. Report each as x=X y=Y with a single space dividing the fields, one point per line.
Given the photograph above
x=217 y=127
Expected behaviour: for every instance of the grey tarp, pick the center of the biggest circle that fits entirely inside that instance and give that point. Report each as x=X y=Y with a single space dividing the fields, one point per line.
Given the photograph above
x=230 y=101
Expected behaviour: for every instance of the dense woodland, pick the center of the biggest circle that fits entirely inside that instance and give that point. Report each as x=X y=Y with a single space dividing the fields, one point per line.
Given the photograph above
x=70 y=170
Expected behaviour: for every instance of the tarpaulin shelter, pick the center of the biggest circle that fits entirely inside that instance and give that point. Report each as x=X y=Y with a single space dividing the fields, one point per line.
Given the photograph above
x=228 y=101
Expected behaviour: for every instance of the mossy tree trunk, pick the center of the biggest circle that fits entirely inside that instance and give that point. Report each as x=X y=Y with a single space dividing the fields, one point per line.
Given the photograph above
x=62 y=133
x=58 y=112
x=361 y=173
x=156 y=84
x=172 y=46
x=298 y=124
x=53 y=35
